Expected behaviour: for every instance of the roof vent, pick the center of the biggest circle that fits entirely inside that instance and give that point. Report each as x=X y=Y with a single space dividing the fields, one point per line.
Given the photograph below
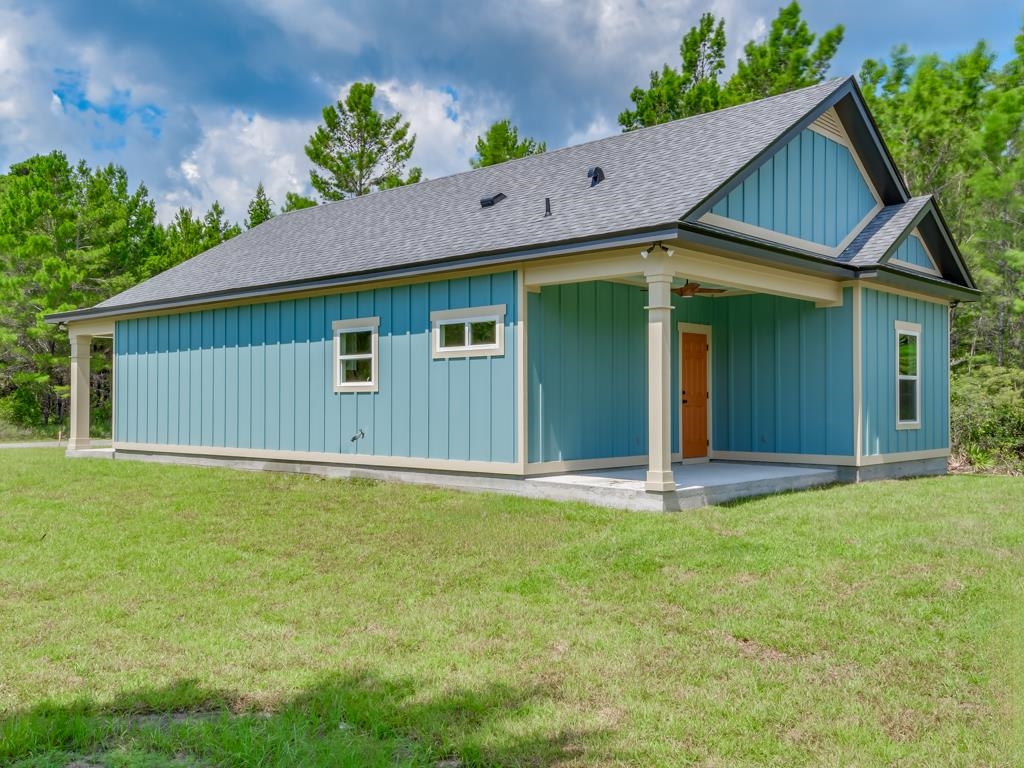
x=596 y=175
x=487 y=202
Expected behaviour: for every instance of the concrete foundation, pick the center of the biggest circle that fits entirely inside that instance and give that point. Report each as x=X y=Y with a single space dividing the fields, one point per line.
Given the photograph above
x=697 y=485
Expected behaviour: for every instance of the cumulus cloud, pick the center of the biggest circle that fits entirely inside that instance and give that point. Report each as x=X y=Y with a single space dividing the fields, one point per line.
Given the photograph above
x=313 y=21
x=446 y=122
x=599 y=128
x=236 y=152
x=203 y=100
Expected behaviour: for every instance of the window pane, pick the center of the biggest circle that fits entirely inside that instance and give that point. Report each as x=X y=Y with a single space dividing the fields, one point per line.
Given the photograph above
x=356 y=342
x=357 y=371
x=485 y=332
x=908 y=355
x=453 y=335
x=908 y=400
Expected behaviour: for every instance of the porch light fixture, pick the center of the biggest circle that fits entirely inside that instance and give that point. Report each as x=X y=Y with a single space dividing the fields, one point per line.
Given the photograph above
x=670 y=252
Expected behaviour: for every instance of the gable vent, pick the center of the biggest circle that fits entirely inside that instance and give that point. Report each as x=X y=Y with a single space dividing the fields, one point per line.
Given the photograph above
x=487 y=202
x=829 y=124
x=596 y=175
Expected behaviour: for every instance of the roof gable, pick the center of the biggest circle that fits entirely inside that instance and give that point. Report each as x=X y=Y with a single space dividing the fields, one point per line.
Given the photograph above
x=812 y=194
x=910 y=237
x=913 y=254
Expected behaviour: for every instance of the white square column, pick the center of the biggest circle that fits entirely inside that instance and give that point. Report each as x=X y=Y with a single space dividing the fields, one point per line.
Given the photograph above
x=659 y=383
x=81 y=346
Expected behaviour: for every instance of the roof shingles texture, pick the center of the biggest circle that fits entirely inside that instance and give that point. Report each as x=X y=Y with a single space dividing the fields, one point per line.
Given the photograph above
x=653 y=176
x=882 y=232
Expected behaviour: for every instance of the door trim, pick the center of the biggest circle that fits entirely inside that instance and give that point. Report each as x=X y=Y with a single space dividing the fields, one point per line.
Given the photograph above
x=682 y=328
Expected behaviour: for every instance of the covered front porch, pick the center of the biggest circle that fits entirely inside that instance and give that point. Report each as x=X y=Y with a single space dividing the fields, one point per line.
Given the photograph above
x=665 y=356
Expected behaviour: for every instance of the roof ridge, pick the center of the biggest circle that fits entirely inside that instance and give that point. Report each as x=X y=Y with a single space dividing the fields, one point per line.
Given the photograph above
x=834 y=82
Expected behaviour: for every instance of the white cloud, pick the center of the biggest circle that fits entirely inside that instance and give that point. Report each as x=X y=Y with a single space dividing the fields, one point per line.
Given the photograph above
x=599 y=128
x=315 y=21
x=236 y=152
x=446 y=123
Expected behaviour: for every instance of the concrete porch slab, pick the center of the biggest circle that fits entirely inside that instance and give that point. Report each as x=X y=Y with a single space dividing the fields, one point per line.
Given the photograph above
x=697 y=485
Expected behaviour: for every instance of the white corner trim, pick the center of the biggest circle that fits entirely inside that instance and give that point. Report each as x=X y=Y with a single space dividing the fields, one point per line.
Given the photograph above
x=858 y=376
x=493 y=313
x=371 y=324
x=522 y=378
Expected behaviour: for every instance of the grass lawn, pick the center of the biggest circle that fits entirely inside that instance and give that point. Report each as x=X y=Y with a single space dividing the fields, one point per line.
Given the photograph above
x=168 y=616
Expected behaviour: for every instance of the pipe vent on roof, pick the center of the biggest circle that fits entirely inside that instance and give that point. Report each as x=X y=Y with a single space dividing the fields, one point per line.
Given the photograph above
x=487 y=202
x=596 y=175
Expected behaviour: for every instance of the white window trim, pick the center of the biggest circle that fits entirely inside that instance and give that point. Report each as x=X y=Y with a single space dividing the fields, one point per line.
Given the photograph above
x=493 y=313
x=338 y=327
x=908 y=329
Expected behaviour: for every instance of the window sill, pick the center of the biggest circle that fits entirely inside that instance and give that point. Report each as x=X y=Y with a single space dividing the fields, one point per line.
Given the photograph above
x=908 y=425
x=449 y=354
x=343 y=388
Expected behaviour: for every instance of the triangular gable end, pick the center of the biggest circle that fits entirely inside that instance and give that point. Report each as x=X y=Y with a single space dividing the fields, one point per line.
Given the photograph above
x=912 y=253
x=926 y=248
x=813 y=194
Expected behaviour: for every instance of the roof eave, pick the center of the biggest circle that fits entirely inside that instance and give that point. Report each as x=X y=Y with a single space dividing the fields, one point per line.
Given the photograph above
x=895 y=277
x=639 y=236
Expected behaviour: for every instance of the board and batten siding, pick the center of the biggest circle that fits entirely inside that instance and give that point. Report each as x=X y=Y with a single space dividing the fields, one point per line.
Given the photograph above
x=260 y=376
x=810 y=189
x=587 y=370
x=880 y=313
x=912 y=251
x=782 y=373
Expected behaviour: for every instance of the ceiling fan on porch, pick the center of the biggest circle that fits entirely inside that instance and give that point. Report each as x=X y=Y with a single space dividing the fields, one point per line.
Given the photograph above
x=690 y=290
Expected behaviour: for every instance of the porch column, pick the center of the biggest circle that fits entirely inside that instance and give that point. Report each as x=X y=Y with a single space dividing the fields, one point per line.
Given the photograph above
x=659 y=383
x=80 y=347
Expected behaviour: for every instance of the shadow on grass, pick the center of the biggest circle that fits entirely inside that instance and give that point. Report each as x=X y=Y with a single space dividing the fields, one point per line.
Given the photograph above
x=344 y=720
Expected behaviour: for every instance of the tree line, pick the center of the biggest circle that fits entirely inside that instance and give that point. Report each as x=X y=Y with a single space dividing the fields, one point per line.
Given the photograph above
x=71 y=235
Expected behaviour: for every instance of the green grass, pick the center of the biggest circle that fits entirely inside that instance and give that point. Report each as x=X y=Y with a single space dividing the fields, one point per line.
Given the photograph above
x=156 y=615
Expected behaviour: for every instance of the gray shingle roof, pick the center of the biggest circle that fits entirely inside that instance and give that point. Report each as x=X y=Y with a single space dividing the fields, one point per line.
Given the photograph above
x=882 y=232
x=654 y=177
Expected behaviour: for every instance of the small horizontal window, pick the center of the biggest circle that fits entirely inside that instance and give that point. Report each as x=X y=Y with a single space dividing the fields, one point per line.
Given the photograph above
x=472 y=332
x=355 y=354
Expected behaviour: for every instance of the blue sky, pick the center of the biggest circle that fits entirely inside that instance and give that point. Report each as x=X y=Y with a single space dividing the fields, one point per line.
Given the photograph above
x=203 y=99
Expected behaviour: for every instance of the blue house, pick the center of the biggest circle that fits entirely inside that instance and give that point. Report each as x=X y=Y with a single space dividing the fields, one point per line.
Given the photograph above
x=755 y=284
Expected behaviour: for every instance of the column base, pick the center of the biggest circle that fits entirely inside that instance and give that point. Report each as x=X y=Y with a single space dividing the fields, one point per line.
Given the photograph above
x=659 y=481
x=78 y=443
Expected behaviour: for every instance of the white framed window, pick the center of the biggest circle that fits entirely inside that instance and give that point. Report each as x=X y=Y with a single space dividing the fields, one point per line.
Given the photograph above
x=470 y=332
x=355 y=354
x=908 y=375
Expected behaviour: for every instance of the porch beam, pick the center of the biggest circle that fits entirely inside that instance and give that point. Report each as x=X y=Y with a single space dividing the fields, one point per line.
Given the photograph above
x=579 y=269
x=659 y=381
x=81 y=345
x=710 y=268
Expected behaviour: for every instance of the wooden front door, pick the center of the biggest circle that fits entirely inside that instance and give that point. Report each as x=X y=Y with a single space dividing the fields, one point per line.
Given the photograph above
x=695 y=396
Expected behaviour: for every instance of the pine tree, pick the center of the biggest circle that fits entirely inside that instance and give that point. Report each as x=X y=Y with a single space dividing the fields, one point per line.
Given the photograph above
x=357 y=150
x=674 y=94
x=501 y=142
x=785 y=60
x=261 y=208
x=293 y=201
